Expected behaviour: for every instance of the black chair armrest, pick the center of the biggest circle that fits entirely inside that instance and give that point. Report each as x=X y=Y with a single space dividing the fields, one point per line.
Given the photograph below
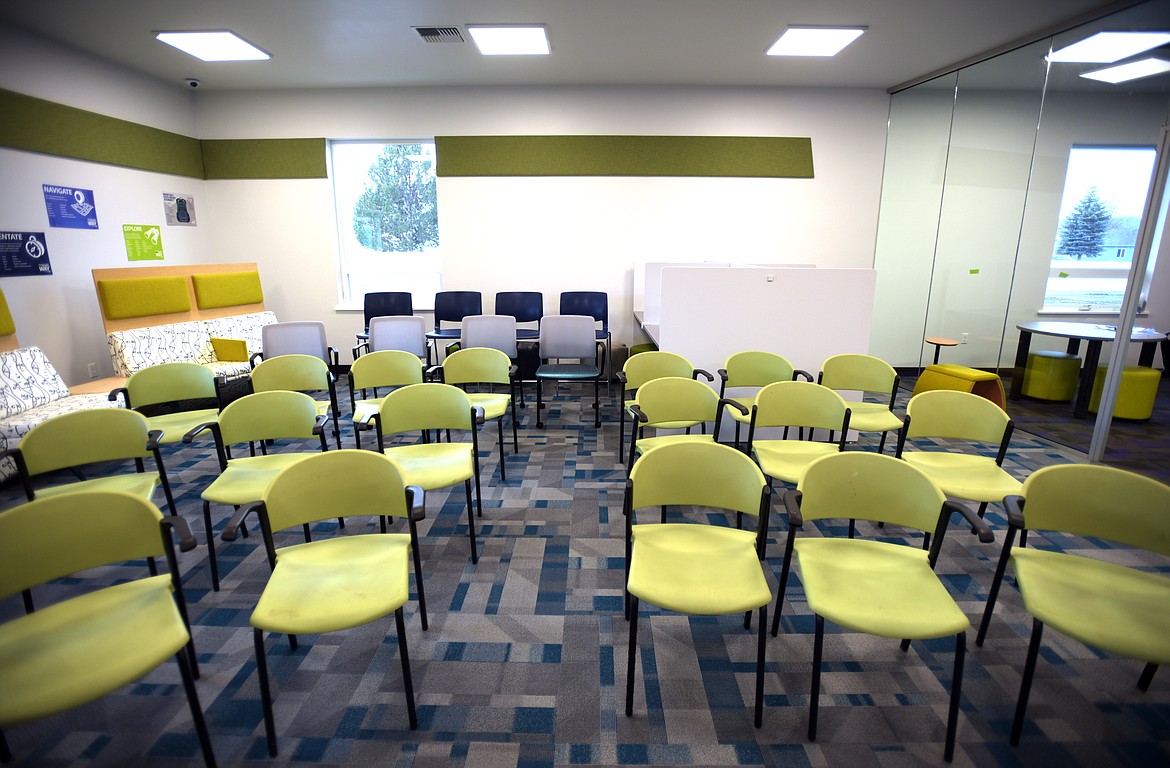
x=803 y=374
x=255 y=358
x=986 y=535
x=722 y=374
x=414 y=500
x=365 y=421
x=436 y=373
x=638 y=414
x=477 y=415
x=1014 y=505
x=152 y=439
x=700 y=372
x=119 y=391
x=334 y=356
x=621 y=377
x=181 y=530
x=357 y=349
x=513 y=371
x=200 y=428
x=232 y=527
x=320 y=423
x=734 y=404
x=792 y=508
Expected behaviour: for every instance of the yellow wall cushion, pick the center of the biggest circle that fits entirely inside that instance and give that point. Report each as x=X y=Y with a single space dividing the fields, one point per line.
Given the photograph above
x=230 y=350
x=7 y=324
x=143 y=296
x=227 y=289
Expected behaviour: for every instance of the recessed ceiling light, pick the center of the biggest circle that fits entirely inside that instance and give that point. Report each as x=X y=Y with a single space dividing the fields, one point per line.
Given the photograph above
x=1108 y=47
x=814 y=41
x=213 y=45
x=1131 y=71
x=513 y=40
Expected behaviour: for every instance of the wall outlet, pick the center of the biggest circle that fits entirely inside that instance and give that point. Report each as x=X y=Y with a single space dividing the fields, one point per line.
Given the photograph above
x=93 y=370
x=963 y=338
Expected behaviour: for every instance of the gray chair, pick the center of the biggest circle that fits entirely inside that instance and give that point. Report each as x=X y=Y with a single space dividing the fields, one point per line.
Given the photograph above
x=568 y=337
x=404 y=333
x=297 y=337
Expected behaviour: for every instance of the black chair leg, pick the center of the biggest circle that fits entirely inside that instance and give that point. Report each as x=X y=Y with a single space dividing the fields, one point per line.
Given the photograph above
x=1026 y=682
x=633 y=654
x=5 y=752
x=418 y=577
x=760 y=646
x=471 y=522
x=211 y=561
x=956 y=692
x=815 y=692
x=1147 y=677
x=503 y=467
x=196 y=710
x=407 y=685
x=265 y=693
x=540 y=404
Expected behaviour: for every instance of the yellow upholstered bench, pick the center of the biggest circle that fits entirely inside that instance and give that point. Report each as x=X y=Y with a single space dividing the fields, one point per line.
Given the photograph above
x=963 y=379
x=1051 y=375
x=1135 y=396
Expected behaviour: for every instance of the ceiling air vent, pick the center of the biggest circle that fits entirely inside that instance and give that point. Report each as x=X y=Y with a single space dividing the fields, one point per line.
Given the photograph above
x=439 y=34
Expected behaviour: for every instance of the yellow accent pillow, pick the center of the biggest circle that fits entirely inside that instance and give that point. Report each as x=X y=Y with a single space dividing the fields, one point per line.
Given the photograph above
x=230 y=350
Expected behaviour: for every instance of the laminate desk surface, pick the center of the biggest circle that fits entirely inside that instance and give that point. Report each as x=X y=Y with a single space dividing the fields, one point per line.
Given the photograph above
x=1095 y=334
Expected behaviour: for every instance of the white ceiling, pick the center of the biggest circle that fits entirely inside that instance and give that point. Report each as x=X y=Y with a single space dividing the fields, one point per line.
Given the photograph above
x=339 y=43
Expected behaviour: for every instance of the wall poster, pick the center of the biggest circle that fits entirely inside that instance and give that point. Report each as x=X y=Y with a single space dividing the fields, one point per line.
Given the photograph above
x=23 y=254
x=70 y=207
x=179 y=209
x=143 y=242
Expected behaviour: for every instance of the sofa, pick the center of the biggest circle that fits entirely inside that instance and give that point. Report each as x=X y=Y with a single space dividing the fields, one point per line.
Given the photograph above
x=31 y=391
x=224 y=344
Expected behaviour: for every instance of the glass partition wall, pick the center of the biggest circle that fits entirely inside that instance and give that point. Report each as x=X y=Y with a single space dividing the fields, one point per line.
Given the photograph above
x=984 y=223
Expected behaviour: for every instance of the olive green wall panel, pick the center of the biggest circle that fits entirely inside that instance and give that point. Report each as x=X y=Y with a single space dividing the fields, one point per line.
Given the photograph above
x=746 y=156
x=264 y=158
x=54 y=129
x=43 y=126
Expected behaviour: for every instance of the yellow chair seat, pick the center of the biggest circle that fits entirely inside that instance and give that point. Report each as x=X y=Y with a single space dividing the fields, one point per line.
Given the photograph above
x=746 y=402
x=878 y=588
x=1107 y=606
x=139 y=483
x=647 y=444
x=79 y=650
x=363 y=409
x=334 y=584
x=872 y=417
x=431 y=466
x=976 y=478
x=175 y=425
x=699 y=569
x=788 y=459
x=494 y=404
x=245 y=478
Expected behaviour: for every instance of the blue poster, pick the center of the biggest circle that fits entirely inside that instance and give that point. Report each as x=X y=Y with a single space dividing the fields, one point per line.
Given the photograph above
x=24 y=253
x=70 y=207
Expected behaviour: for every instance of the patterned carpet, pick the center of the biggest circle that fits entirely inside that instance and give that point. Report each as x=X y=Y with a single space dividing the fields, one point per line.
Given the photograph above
x=524 y=661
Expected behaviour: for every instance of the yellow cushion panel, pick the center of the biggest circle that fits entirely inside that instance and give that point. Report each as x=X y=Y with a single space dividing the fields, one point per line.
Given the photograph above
x=230 y=350
x=433 y=465
x=227 y=289
x=964 y=476
x=75 y=651
x=1107 y=606
x=332 y=584
x=878 y=588
x=143 y=296
x=699 y=569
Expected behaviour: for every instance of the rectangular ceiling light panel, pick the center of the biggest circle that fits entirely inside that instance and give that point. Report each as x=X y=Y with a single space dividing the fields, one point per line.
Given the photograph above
x=814 y=41
x=1108 y=47
x=213 y=45
x=1131 y=71
x=510 y=40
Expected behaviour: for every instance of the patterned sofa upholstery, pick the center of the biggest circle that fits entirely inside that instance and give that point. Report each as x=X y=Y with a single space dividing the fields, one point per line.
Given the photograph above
x=138 y=348
x=31 y=391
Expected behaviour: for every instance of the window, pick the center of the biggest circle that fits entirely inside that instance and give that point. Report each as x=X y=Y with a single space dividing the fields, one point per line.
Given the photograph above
x=1104 y=196
x=387 y=219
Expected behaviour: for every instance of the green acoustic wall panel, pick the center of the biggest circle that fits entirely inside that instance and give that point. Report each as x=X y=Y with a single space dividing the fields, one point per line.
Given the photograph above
x=143 y=296
x=54 y=129
x=264 y=158
x=227 y=289
x=747 y=156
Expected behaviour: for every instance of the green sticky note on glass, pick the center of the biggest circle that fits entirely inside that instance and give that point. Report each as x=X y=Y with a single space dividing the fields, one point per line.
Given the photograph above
x=972 y=271
x=1062 y=274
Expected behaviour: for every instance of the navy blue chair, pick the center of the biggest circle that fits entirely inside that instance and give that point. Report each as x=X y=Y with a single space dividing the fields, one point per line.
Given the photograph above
x=452 y=307
x=526 y=307
x=385 y=304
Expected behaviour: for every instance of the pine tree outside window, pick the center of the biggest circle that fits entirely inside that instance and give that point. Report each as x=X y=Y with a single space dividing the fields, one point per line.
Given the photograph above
x=1104 y=195
x=387 y=219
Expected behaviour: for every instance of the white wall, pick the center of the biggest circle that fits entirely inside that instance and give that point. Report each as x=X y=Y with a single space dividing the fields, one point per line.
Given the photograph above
x=548 y=234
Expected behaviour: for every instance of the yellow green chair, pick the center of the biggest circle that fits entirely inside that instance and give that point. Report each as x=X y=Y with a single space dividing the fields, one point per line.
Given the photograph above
x=389 y=369
x=433 y=465
x=876 y=587
x=673 y=403
x=81 y=439
x=151 y=390
x=300 y=373
x=1105 y=605
x=644 y=367
x=800 y=405
x=866 y=374
x=253 y=419
x=343 y=582
x=80 y=649
x=753 y=369
x=476 y=367
x=968 y=421
x=697 y=568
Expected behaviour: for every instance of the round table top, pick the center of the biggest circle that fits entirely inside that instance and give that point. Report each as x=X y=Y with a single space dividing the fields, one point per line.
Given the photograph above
x=941 y=341
x=1089 y=331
